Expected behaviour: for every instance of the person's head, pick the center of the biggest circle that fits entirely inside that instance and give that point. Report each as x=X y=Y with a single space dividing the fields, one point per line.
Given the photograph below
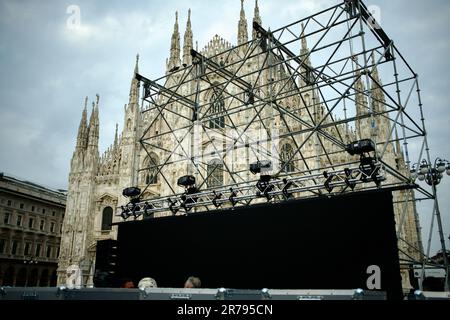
x=128 y=284
x=147 y=283
x=193 y=282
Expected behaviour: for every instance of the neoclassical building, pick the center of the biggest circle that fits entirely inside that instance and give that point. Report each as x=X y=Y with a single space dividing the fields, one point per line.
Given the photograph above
x=96 y=181
x=31 y=218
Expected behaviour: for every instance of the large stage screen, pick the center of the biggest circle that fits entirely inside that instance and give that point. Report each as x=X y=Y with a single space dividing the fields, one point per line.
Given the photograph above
x=320 y=243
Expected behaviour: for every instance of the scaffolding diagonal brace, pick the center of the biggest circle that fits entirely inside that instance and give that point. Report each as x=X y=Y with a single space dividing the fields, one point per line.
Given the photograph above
x=162 y=89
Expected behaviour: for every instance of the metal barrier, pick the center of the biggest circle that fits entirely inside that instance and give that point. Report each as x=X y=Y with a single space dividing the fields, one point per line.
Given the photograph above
x=63 y=293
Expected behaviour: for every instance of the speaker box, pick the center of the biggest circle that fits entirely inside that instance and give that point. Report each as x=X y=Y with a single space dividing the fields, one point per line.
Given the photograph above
x=105 y=264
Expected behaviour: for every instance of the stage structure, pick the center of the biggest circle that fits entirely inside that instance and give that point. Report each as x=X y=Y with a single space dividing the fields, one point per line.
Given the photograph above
x=314 y=118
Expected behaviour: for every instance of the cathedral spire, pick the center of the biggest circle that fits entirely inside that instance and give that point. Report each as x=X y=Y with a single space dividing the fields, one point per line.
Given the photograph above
x=116 y=140
x=378 y=98
x=134 y=89
x=398 y=148
x=136 y=66
x=82 y=129
x=256 y=18
x=376 y=78
x=242 y=28
x=305 y=57
x=188 y=42
x=94 y=125
x=362 y=125
x=304 y=49
x=361 y=101
x=174 y=60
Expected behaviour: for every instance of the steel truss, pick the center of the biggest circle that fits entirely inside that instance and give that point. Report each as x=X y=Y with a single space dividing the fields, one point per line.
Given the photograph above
x=346 y=47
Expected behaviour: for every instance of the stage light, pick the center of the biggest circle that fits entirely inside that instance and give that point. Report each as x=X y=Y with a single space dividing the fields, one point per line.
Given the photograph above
x=132 y=192
x=131 y=208
x=265 y=187
x=367 y=167
x=186 y=181
x=348 y=177
x=217 y=196
x=232 y=197
x=329 y=178
x=125 y=212
x=360 y=147
x=261 y=167
x=263 y=183
x=135 y=211
x=186 y=201
x=287 y=185
x=148 y=207
x=172 y=205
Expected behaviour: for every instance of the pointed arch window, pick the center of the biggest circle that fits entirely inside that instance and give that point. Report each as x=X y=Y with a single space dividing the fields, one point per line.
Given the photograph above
x=286 y=161
x=214 y=174
x=217 y=109
x=107 y=217
x=150 y=175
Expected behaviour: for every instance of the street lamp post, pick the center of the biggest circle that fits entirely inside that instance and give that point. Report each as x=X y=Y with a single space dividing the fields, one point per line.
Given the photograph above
x=433 y=175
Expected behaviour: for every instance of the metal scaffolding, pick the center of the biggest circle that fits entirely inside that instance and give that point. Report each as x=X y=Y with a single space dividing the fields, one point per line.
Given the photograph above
x=316 y=86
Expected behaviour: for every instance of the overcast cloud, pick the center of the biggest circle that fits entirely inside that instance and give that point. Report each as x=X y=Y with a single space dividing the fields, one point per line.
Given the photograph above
x=46 y=69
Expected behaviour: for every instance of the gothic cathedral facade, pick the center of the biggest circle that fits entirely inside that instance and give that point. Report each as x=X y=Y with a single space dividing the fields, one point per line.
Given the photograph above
x=96 y=181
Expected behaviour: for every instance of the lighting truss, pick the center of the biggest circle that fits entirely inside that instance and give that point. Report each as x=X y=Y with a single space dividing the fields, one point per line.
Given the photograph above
x=244 y=194
x=346 y=56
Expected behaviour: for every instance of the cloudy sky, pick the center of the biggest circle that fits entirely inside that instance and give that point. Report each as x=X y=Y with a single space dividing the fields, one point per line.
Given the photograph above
x=47 y=68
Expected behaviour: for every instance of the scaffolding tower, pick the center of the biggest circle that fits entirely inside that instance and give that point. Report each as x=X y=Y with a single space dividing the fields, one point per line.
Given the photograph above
x=292 y=100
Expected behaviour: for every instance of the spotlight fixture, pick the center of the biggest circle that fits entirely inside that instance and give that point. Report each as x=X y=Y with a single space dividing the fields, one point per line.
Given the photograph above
x=147 y=208
x=217 y=196
x=188 y=182
x=131 y=192
x=186 y=201
x=327 y=183
x=172 y=205
x=369 y=170
x=265 y=187
x=233 y=197
x=125 y=212
x=287 y=185
x=132 y=208
x=360 y=147
x=135 y=210
x=349 y=179
x=261 y=167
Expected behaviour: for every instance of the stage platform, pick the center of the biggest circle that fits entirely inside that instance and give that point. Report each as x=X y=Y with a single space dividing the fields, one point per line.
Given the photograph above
x=343 y=242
